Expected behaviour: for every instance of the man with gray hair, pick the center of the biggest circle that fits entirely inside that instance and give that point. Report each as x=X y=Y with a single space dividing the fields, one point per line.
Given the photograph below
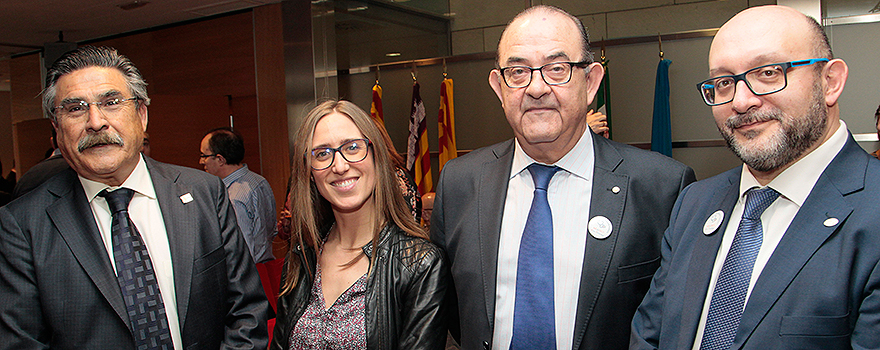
x=564 y=262
x=121 y=251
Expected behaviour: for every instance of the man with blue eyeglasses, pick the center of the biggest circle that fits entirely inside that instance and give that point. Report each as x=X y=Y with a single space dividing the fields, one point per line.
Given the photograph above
x=783 y=252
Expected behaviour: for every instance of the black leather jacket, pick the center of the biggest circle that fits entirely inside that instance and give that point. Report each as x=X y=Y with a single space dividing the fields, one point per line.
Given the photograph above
x=404 y=301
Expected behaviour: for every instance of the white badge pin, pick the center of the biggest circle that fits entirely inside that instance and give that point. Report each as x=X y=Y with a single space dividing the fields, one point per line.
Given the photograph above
x=186 y=198
x=599 y=227
x=830 y=222
x=713 y=222
x=615 y=190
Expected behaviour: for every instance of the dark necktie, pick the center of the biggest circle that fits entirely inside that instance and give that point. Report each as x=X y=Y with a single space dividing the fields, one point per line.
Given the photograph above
x=728 y=299
x=534 y=323
x=136 y=277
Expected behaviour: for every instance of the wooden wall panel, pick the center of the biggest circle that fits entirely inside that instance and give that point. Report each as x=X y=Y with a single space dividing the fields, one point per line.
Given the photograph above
x=178 y=122
x=271 y=102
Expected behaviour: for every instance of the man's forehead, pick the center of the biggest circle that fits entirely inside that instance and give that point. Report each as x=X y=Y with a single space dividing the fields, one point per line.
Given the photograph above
x=96 y=81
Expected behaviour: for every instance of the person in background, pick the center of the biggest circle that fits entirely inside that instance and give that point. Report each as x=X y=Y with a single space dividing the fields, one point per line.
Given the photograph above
x=427 y=208
x=145 y=148
x=782 y=252
x=598 y=123
x=876 y=153
x=361 y=273
x=120 y=251
x=222 y=153
x=553 y=236
x=42 y=171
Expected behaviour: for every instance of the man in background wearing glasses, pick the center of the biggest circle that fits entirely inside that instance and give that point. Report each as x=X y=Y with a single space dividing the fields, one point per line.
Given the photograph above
x=564 y=268
x=783 y=252
x=222 y=154
x=121 y=251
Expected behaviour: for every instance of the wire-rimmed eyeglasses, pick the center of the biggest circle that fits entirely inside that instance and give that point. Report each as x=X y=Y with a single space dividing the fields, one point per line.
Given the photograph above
x=555 y=73
x=78 y=108
x=763 y=80
x=352 y=151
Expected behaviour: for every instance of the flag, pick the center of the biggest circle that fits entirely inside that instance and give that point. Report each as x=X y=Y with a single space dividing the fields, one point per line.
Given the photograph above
x=376 y=106
x=446 y=123
x=661 y=128
x=603 y=97
x=418 y=159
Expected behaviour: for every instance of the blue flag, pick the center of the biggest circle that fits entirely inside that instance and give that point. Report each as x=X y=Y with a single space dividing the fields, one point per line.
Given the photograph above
x=661 y=128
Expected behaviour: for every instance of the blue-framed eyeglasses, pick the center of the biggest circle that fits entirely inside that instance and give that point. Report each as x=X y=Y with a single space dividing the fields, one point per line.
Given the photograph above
x=352 y=151
x=763 y=80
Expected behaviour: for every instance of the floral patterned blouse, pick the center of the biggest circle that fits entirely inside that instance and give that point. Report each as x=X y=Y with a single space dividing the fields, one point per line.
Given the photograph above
x=339 y=327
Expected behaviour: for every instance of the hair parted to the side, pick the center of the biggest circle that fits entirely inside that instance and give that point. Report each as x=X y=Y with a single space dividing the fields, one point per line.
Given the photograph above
x=91 y=56
x=586 y=54
x=311 y=213
x=228 y=143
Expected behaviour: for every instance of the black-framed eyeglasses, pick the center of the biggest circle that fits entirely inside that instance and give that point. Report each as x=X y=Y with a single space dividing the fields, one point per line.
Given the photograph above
x=763 y=80
x=352 y=151
x=78 y=108
x=206 y=156
x=556 y=73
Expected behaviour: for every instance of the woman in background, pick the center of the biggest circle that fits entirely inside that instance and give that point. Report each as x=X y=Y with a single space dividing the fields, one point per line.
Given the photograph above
x=360 y=273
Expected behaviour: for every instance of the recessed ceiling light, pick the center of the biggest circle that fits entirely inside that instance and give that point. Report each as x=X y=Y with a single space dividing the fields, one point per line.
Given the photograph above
x=133 y=5
x=392 y=54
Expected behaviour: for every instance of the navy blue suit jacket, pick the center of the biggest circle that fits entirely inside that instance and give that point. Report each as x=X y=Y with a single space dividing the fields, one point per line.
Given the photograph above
x=819 y=290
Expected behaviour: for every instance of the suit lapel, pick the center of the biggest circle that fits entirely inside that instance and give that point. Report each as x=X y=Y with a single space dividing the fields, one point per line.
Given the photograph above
x=74 y=220
x=494 y=178
x=806 y=234
x=702 y=259
x=607 y=203
x=180 y=228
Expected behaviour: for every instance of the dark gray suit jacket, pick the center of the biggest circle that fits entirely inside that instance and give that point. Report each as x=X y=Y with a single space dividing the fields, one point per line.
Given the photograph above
x=466 y=223
x=58 y=289
x=819 y=290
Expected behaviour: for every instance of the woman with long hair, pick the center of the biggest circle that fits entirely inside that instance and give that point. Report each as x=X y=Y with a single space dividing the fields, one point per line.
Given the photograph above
x=360 y=273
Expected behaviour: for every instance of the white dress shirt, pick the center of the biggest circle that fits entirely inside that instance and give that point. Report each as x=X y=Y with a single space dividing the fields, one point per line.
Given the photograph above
x=569 y=196
x=144 y=211
x=794 y=185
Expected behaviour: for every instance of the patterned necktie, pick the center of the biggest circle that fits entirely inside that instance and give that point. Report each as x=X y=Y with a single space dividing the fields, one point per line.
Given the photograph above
x=534 y=323
x=136 y=277
x=728 y=299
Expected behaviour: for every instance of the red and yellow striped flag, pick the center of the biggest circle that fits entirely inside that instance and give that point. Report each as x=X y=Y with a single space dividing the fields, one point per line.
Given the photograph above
x=376 y=106
x=446 y=123
x=418 y=159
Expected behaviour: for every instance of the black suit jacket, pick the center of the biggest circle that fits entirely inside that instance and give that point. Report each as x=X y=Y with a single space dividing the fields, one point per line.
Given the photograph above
x=466 y=223
x=819 y=290
x=58 y=289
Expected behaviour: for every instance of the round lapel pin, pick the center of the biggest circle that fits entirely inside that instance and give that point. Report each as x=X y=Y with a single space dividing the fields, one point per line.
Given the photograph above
x=831 y=222
x=713 y=222
x=599 y=227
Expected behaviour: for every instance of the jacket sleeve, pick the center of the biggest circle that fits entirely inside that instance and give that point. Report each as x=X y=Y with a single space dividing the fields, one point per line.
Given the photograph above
x=246 y=319
x=648 y=320
x=21 y=317
x=423 y=313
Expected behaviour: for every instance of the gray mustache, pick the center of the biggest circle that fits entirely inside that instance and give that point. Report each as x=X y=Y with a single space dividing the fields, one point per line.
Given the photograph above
x=104 y=138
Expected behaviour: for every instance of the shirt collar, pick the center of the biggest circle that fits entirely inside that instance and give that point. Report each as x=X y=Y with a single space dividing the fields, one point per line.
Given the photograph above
x=139 y=180
x=578 y=161
x=235 y=175
x=796 y=182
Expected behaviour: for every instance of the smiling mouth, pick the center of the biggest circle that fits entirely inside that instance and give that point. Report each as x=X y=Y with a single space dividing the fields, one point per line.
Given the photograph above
x=344 y=183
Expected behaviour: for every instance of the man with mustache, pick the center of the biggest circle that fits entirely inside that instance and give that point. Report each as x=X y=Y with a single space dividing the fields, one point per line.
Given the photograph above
x=783 y=252
x=121 y=251
x=558 y=265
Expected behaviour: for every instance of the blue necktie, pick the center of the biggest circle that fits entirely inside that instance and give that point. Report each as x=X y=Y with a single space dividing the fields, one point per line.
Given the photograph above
x=728 y=299
x=137 y=280
x=534 y=323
